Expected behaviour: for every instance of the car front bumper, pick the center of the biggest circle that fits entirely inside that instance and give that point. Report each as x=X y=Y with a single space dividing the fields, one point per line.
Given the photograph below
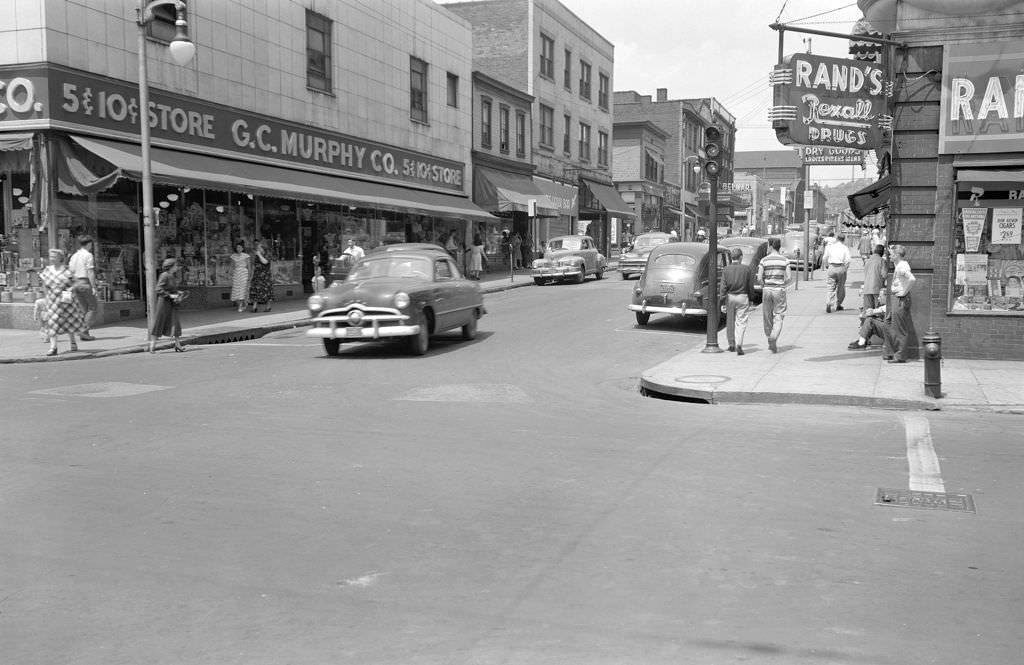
x=556 y=272
x=339 y=328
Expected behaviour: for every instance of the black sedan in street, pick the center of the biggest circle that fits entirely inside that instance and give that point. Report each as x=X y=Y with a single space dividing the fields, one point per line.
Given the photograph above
x=410 y=292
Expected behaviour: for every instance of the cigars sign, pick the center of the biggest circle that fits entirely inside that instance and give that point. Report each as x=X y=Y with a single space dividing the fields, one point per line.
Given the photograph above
x=820 y=101
x=61 y=98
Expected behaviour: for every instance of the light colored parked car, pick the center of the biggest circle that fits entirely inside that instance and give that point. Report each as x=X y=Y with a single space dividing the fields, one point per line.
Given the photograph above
x=569 y=258
x=633 y=260
x=676 y=281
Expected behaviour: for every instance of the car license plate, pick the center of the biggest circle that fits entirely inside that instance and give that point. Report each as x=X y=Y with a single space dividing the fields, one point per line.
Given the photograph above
x=667 y=287
x=353 y=332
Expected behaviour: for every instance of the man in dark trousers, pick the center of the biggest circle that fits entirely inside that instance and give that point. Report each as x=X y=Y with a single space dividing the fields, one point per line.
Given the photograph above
x=739 y=284
x=874 y=278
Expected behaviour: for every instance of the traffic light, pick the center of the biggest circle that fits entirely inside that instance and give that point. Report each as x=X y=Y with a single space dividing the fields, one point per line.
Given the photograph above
x=712 y=151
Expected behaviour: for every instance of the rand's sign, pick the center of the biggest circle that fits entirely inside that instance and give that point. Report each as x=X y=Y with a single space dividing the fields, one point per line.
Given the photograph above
x=821 y=101
x=982 y=104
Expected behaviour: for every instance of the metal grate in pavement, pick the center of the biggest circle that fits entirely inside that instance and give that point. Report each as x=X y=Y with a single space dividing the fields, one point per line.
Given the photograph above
x=927 y=500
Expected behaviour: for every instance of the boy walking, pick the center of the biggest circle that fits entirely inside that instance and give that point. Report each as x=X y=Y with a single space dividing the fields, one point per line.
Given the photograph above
x=773 y=273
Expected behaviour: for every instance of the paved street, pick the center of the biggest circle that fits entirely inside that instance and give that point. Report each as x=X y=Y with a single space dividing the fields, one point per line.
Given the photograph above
x=507 y=500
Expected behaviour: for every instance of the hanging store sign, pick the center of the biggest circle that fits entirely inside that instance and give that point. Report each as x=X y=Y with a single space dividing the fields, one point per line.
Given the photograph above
x=982 y=104
x=820 y=101
x=72 y=100
x=823 y=155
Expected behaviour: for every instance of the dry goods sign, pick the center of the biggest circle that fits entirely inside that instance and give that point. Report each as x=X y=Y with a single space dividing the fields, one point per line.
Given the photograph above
x=820 y=101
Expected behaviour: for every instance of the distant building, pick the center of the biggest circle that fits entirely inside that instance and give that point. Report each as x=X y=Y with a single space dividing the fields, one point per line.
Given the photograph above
x=545 y=50
x=684 y=120
x=782 y=174
x=639 y=175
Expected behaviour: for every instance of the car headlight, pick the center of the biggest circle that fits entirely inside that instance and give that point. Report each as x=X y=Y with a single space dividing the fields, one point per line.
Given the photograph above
x=335 y=283
x=401 y=300
x=315 y=303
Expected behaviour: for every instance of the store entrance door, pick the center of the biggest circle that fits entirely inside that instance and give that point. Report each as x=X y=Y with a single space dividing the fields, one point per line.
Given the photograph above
x=309 y=235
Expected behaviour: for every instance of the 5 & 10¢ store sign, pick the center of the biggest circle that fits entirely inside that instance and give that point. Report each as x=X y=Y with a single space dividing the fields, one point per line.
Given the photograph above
x=67 y=99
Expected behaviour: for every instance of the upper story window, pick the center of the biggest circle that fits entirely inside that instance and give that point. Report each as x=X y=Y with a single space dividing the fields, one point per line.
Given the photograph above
x=503 y=128
x=520 y=134
x=547 y=126
x=603 y=86
x=547 y=56
x=567 y=73
x=453 y=90
x=584 y=142
x=318 y=51
x=417 y=89
x=161 y=26
x=485 y=122
x=567 y=135
x=602 y=148
x=585 y=80
x=650 y=167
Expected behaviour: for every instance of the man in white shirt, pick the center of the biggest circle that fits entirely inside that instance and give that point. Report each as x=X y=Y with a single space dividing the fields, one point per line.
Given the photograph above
x=83 y=268
x=836 y=260
x=902 y=325
x=354 y=251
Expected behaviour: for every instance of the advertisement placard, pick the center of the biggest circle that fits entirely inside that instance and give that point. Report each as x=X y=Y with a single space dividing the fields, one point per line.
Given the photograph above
x=828 y=156
x=974 y=224
x=982 y=108
x=1006 y=224
x=822 y=101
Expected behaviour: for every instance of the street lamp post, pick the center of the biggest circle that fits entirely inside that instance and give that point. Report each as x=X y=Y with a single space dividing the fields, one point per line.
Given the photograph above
x=182 y=49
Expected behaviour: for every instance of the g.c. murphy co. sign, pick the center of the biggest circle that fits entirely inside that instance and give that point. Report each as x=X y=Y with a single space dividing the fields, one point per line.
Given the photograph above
x=821 y=101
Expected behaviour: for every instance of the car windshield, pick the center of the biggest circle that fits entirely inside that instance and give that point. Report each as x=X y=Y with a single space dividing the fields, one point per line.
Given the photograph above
x=651 y=241
x=392 y=266
x=572 y=244
x=675 y=261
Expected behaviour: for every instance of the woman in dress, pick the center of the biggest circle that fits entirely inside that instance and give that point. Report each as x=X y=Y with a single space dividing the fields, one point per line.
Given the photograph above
x=168 y=296
x=63 y=313
x=261 y=293
x=476 y=258
x=241 y=264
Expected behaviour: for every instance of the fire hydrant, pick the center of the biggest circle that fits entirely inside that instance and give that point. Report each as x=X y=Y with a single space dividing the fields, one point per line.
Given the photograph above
x=931 y=341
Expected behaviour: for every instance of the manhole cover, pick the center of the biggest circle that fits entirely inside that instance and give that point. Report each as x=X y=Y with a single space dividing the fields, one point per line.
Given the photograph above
x=927 y=500
x=104 y=389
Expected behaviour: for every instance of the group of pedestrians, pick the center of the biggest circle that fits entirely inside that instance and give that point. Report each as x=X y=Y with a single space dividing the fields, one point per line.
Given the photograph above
x=69 y=302
x=252 y=280
x=773 y=273
x=517 y=250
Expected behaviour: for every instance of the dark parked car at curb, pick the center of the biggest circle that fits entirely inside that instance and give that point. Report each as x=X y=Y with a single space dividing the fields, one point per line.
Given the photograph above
x=569 y=258
x=675 y=281
x=404 y=292
x=633 y=260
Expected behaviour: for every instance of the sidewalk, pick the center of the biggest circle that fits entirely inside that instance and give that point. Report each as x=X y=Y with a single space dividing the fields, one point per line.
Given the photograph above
x=813 y=365
x=211 y=326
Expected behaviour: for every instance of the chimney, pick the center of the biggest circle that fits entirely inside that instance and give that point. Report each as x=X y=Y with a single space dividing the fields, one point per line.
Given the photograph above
x=662 y=94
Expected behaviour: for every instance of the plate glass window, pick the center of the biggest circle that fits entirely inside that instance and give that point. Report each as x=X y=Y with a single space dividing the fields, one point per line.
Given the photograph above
x=585 y=80
x=584 y=142
x=503 y=129
x=417 y=89
x=485 y=122
x=318 y=51
x=547 y=56
x=453 y=90
x=547 y=126
x=520 y=134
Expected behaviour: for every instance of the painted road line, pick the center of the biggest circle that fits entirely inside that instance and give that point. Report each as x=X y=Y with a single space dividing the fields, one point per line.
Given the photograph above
x=925 y=475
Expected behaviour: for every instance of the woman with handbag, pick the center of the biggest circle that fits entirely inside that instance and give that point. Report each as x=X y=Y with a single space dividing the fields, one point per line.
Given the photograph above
x=168 y=297
x=63 y=312
x=261 y=292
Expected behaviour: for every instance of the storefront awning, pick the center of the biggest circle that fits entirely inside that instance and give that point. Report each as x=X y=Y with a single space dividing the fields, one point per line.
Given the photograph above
x=16 y=141
x=870 y=199
x=194 y=170
x=996 y=179
x=691 y=211
x=674 y=211
x=562 y=198
x=499 y=191
x=609 y=199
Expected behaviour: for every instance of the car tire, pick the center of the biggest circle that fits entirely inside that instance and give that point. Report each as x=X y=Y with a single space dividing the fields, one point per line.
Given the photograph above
x=420 y=342
x=538 y=281
x=600 y=274
x=582 y=276
x=332 y=346
x=642 y=318
x=469 y=330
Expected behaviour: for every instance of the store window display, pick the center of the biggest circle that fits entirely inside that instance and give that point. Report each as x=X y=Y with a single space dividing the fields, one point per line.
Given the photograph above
x=988 y=255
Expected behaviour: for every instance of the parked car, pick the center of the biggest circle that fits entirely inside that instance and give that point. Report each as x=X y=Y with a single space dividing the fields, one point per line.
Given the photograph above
x=569 y=257
x=633 y=259
x=410 y=292
x=675 y=281
x=793 y=249
x=754 y=249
